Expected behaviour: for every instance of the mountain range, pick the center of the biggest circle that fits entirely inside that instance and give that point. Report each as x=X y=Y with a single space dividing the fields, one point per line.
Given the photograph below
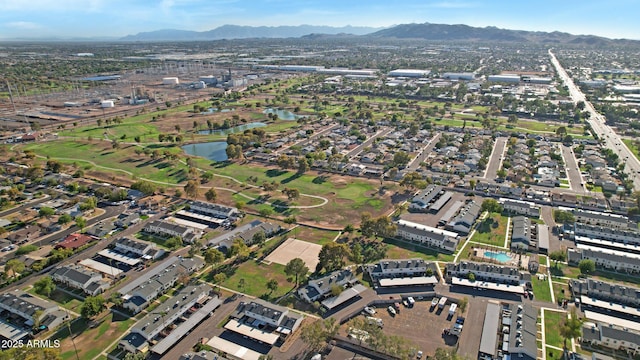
x=246 y=32
x=425 y=31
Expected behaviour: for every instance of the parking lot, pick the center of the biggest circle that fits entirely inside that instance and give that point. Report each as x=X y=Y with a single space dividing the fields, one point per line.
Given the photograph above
x=421 y=327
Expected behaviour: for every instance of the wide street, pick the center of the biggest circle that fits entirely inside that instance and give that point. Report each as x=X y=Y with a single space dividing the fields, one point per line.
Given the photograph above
x=599 y=126
x=573 y=170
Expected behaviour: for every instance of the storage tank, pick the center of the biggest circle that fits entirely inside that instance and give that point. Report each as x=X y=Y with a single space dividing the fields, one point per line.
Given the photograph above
x=107 y=104
x=170 y=81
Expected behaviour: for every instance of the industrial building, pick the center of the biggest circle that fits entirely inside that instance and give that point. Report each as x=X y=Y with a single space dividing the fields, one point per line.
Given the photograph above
x=409 y=73
x=506 y=78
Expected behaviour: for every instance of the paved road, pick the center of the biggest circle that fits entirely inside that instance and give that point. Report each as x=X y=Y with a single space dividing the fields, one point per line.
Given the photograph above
x=367 y=142
x=573 y=171
x=24 y=206
x=599 y=126
x=423 y=153
x=497 y=155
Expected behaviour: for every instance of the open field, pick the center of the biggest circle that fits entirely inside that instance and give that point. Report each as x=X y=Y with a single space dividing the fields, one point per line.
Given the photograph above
x=90 y=341
x=541 y=289
x=492 y=230
x=293 y=248
x=256 y=276
x=552 y=322
x=316 y=236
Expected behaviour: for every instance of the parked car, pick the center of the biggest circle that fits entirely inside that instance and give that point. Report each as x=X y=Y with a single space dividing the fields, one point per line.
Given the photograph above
x=392 y=311
x=419 y=355
x=369 y=310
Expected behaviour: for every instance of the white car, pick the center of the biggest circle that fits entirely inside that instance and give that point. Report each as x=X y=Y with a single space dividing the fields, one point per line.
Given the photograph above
x=419 y=355
x=369 y=310
x=392 y=311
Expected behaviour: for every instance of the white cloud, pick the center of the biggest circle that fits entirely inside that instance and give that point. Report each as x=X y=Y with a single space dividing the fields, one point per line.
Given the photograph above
x=23 y=25
x=51 y=5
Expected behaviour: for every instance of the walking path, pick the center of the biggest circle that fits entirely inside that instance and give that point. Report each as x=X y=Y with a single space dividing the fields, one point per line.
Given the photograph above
x=506 y=235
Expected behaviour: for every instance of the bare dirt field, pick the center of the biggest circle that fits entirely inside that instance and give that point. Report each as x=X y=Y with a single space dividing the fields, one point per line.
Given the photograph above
x=292 y=249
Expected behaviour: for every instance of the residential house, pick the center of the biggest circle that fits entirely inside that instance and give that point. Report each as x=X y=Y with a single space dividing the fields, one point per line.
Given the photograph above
x=214 y=210
x=521 y=234
x=74 y=241
x=79 y=277
x=601 y=218
x=605 y=258
x=167 y=229
x=317 y=289
x=441 y=240
x=26 y=307
x=138 y=248
x=520 y=207
x=139 y=293
x=463 y=222
x=500 y=274
x=612 y=337
x=421 y=202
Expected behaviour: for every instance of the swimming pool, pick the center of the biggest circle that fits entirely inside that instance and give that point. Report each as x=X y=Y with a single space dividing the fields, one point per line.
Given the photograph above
x=501 y=257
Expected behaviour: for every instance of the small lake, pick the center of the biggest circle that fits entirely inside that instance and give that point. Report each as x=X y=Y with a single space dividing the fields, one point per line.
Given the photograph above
x=215 y=150
x=215 y=110
x=282 y=114
x=233 y=130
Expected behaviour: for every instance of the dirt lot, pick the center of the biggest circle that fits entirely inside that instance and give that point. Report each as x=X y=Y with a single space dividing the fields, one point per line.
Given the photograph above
x=421 y=327
x=292 y=249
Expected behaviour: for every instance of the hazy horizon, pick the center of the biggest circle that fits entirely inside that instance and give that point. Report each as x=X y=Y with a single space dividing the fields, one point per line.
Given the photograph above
x=117 y=18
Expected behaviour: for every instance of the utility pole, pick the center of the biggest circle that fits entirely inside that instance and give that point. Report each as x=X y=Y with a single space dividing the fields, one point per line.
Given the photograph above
x=11 y=97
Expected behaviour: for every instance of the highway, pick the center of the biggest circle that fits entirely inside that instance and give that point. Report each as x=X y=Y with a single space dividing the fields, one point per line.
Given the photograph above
x=599 y=126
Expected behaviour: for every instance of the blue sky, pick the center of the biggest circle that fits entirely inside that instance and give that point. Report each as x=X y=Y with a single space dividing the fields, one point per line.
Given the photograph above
x=116 y=18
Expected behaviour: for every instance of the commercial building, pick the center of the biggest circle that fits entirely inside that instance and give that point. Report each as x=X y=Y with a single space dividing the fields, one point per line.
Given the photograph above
x=79 y=277
x=438 y=239
x=459 y=76
x=403 y=272
x=317 y=289
x=409 y=73
x=506 y=78
x=520 y=207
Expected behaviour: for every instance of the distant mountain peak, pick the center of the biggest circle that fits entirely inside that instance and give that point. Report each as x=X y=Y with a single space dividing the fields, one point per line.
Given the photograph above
x=229 y=31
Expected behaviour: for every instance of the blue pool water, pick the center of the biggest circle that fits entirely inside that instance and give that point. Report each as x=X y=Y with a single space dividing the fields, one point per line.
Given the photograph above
x=501 y=257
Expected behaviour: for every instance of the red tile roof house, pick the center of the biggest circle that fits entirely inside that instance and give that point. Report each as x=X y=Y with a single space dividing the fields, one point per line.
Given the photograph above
x=73 y=241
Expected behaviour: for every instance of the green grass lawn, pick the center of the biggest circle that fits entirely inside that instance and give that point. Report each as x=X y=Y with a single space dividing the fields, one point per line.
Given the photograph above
x=541 y=289
x=552 y=322
x=488 y=233
x=553 y=354
x=561 y=290
x=256 y=277
x=63 y=299
x=316 y=236
x=631 y=144
x=398 y=249
x=91 y=341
